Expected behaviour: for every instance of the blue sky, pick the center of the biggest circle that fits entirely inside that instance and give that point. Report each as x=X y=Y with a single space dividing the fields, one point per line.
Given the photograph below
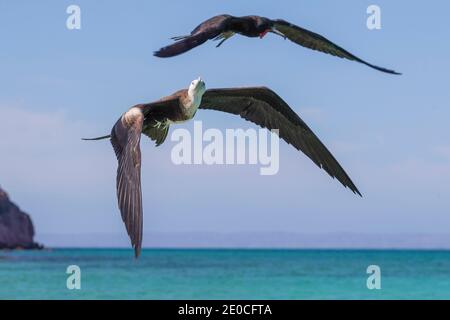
x=390 y=133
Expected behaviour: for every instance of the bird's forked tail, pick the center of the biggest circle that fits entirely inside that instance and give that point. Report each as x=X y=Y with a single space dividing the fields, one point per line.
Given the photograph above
x=98 y=138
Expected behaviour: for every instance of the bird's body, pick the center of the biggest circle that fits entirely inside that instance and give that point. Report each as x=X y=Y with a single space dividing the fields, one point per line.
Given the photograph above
x=223 y=27
x=157 y=116
x=259 y=105
x=248 y=26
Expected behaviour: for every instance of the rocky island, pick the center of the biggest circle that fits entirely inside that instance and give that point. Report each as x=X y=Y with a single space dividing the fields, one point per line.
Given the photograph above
x=16 y=227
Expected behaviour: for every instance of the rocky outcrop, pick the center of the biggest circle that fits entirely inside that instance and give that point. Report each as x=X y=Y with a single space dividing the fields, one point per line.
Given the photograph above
x=16 y=227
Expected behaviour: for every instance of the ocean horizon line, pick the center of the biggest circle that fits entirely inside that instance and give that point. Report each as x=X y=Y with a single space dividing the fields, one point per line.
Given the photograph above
x=251 y=240
x=330 y=249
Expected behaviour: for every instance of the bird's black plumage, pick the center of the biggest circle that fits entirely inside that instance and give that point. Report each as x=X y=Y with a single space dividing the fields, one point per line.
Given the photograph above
x=265 y=108
x=222 y=27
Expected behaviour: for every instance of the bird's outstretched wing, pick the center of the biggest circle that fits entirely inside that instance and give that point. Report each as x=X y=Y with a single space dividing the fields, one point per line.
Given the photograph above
x=125 y=140
x=207 y=30
x=317 y=42
x=265 y=108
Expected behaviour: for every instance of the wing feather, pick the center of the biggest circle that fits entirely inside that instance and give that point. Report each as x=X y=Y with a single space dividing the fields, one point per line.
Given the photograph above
x=125 y=140
x=265 y=108
x=317 y=42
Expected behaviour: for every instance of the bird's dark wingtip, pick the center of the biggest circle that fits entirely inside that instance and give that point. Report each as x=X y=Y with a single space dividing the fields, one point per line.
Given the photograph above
x=137 y=252
x=387 y=70
x=158 y=54
x=383 y=69
x=165 y=53
x=354 y=189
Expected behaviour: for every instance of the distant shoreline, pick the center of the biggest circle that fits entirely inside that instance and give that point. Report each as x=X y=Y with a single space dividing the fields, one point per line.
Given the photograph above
x=165 y=249
x=34 y=246
x=253 y=240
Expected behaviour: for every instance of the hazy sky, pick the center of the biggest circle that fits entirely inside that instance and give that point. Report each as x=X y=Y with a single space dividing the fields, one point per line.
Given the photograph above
x=390 y=133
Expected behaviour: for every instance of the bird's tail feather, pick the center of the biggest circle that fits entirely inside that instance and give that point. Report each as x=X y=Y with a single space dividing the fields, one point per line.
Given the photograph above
x=98 y=138
x=177 y=38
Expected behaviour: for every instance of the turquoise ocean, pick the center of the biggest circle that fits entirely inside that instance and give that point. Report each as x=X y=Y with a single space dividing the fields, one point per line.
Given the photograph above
x=224 y=274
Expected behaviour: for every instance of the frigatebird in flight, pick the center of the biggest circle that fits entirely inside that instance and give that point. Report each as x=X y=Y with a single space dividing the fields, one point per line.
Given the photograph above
x=259 y=105
x=223 y=27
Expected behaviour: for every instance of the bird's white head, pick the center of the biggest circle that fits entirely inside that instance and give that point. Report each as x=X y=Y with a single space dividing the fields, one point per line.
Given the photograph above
x=197 y=88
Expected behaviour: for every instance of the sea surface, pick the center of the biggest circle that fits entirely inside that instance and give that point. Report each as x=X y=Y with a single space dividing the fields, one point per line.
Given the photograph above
x=224 y=274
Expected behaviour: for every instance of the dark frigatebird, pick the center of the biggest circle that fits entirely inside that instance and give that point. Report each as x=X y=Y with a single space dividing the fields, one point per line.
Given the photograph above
x=223 y=27
x=259 y=105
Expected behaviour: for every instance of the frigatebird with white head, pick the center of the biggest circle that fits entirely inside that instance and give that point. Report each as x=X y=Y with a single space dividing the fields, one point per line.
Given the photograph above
x=259 y=105
x=223 y=27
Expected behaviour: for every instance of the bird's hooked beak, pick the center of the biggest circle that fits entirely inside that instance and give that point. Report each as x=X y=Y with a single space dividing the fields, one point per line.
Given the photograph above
x=281 y=34
x=200 y=84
